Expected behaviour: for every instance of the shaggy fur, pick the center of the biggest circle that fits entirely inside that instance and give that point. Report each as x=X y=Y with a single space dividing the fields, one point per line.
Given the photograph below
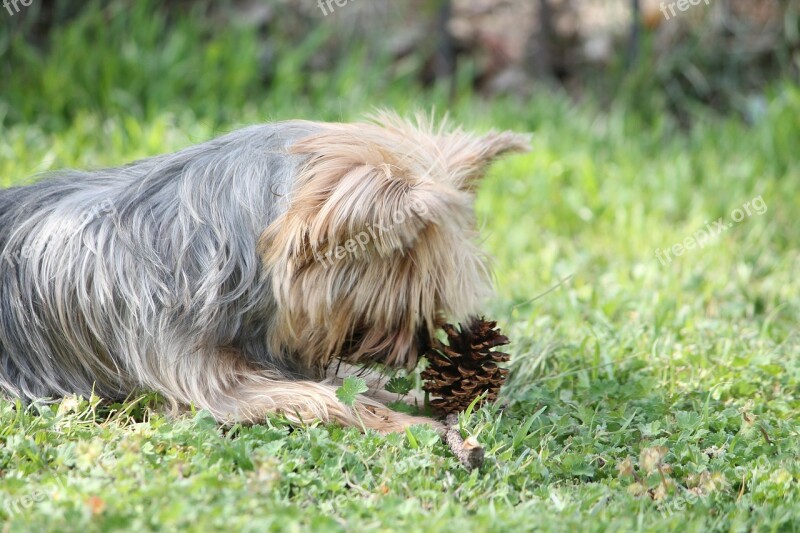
x=231 y=274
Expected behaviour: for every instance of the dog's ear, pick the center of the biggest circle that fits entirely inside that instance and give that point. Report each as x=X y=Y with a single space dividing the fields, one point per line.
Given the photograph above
x=459 y=158
x=467 y=157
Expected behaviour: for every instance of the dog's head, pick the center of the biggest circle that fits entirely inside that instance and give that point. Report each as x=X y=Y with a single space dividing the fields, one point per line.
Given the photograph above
x=378 y=246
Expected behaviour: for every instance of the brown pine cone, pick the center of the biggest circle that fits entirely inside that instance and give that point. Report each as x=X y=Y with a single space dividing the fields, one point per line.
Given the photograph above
x=466 y=367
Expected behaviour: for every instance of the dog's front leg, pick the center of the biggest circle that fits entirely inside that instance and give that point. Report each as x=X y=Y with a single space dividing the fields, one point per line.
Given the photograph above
x=306 y=401
x=235 y=391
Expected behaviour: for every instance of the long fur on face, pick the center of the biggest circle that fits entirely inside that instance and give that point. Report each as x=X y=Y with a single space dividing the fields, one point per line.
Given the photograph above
x=409 y=190
x=232 y=273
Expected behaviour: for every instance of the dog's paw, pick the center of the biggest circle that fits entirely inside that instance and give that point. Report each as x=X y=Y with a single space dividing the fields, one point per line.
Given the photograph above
x=387 y=421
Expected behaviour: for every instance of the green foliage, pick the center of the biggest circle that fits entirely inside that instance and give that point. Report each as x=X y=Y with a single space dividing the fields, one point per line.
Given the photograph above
x=110 y=58
x=401 y=385
x=644 y=396
x=351 y=387
x=126 y=58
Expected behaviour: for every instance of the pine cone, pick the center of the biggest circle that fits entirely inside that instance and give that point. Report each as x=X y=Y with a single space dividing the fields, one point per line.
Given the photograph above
x=465 y=368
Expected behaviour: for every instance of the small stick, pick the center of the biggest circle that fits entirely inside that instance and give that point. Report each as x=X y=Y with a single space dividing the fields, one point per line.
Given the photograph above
x=469 y=451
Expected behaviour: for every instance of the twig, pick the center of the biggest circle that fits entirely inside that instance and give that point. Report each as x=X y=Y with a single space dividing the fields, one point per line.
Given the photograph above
x=741 y=490
x=635 y=37
x=545 y=293
x=766 y=435
x=469 y=451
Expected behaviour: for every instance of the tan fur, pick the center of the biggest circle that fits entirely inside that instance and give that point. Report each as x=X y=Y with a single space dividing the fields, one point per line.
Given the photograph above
x=374 y=305
x=236 y=392
x=364 y=176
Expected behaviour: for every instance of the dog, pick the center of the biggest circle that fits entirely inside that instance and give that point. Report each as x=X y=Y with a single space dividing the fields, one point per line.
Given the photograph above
x=233 y=274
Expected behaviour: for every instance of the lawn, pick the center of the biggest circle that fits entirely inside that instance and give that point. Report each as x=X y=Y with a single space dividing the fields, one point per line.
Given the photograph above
x=647 y=276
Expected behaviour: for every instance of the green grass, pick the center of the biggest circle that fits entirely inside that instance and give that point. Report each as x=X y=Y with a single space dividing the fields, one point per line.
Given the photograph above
x=643 y=396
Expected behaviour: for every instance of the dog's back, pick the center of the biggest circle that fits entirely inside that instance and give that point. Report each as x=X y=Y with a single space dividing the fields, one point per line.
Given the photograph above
x=98 y=265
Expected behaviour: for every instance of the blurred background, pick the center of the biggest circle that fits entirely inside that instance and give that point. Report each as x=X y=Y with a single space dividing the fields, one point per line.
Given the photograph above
x=319 y=58
x=650 y=118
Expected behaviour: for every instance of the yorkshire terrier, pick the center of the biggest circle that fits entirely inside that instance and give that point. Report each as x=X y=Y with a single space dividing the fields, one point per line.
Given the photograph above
x=233 y=274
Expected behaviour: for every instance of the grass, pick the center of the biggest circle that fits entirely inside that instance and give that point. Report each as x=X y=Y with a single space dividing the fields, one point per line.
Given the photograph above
x=644 y=396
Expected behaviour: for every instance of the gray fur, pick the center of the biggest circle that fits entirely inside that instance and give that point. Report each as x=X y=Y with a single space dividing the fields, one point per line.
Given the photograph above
x=113 y=280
